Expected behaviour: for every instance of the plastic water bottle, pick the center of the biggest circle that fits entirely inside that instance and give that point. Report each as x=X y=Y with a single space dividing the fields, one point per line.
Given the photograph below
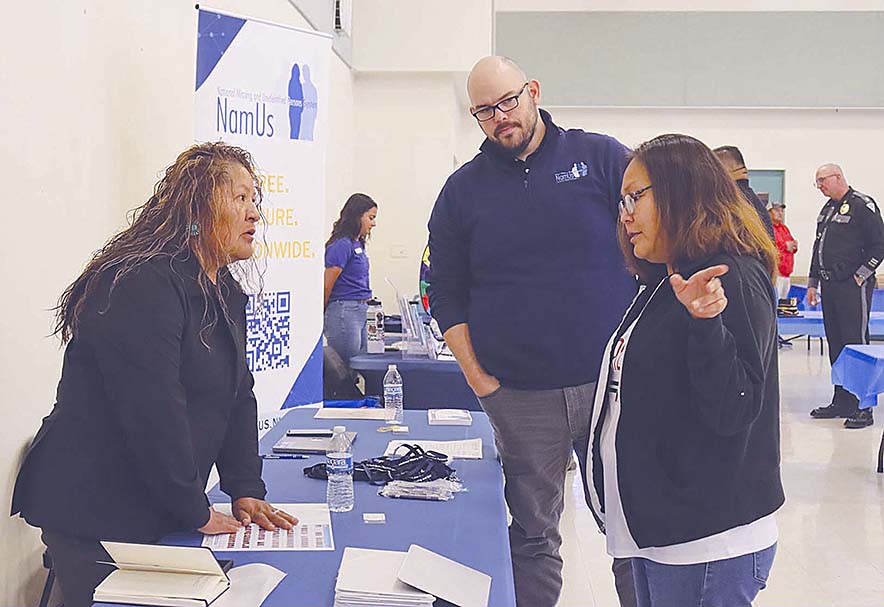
x=393 y=396
x=374 y=327
x=339 y=467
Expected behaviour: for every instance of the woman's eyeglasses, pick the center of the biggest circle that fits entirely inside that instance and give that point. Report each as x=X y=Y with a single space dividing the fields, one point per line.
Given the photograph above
x=627 y=203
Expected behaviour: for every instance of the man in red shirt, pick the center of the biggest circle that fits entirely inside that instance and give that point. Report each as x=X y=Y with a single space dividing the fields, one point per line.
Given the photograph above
x=787 y=247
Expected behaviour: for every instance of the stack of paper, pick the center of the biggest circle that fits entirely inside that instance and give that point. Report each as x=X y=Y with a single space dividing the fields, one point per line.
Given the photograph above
x=407 y=579
x=449 y=417
x=369 y=577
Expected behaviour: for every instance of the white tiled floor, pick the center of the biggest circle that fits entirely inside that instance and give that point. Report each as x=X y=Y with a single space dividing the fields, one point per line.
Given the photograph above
x=831 y=548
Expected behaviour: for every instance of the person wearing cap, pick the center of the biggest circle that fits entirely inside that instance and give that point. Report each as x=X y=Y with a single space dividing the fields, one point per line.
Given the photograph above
x=787 y=246
x=848 y=249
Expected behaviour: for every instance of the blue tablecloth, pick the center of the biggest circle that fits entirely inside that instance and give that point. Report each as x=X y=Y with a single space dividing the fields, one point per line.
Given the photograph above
x=427 y=384
x=471 y=528
x=860 y=369
x=811 y=323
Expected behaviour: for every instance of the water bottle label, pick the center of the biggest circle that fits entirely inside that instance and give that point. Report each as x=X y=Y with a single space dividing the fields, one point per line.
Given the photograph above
x=339 y=463
x=391 y=392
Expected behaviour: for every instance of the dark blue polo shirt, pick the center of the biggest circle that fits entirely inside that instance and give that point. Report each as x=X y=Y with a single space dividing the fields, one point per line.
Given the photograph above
x=526 y=253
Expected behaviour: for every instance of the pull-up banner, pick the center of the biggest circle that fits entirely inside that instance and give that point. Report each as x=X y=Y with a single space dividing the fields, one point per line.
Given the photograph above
x=264 y=87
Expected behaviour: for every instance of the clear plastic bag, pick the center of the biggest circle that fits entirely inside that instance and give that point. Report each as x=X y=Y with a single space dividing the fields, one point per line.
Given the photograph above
x=439 y=490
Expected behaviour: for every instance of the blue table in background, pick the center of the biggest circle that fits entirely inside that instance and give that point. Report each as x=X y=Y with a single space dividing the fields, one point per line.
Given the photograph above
x=810 y=323
x=470 y=529
x=427 y=384
x=860 y=369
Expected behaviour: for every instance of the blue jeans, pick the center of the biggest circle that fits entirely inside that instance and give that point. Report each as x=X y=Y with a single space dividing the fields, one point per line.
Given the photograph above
x=729 y=583
x=344 y=327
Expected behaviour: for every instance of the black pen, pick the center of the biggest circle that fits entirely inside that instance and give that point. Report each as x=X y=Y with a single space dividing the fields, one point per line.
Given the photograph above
x=274 y=456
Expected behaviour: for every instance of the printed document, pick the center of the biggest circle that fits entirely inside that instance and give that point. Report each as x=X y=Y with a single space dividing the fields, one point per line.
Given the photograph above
x=313 y=532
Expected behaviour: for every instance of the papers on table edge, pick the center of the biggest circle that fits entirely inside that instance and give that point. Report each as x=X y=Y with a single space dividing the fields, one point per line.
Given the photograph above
x=376 y=413
x=250 y=585
x=454 y=449
x=412 y=579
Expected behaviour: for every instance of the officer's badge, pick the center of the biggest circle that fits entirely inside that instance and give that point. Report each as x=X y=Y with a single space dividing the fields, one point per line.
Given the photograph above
x=845 y=208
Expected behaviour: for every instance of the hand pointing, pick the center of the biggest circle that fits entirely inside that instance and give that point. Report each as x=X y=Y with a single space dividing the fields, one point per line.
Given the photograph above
x=702 y=294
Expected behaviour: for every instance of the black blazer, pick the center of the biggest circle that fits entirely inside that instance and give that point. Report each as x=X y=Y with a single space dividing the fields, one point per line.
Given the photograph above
x=143 y=411
x=698 y=441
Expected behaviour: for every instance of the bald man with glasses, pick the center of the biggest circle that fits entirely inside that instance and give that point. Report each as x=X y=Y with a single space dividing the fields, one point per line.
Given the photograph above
x=848 y=249
x=528 y=284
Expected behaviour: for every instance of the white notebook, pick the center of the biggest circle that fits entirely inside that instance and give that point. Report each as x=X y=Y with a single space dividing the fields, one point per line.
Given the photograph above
x=444 y=578
x=168 y=576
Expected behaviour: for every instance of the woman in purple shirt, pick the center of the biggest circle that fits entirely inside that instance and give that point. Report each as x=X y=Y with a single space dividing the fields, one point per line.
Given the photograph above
x=346 y=277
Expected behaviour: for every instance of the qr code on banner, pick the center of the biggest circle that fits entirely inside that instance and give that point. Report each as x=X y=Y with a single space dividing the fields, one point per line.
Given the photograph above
x=268 y=330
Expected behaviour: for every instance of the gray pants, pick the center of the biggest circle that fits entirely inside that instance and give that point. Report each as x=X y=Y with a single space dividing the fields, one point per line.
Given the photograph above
x=535 y=432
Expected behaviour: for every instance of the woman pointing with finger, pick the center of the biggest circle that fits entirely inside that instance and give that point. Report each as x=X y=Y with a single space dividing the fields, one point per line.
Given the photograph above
x=684 y=474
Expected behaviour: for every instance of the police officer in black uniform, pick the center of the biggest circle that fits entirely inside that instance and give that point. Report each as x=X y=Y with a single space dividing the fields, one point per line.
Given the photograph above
x=849 y=247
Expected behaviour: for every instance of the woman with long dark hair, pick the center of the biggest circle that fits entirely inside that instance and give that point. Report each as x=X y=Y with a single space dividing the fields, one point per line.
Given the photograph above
x=684 y=473
x=347 y=289
x=155 y=389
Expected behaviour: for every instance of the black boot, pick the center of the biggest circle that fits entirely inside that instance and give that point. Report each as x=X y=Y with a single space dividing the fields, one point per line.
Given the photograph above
x=861 y=418
x=829 y=412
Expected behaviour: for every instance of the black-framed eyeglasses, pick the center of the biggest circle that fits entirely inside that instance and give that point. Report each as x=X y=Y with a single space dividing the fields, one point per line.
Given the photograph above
x=627 y=203
x=504 y=105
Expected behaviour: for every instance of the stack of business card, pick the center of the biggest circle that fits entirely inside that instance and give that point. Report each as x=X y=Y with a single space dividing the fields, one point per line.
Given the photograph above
x=449 y=417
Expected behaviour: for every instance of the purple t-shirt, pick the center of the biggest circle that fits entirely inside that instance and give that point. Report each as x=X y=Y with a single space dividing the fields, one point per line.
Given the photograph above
x=351 y=257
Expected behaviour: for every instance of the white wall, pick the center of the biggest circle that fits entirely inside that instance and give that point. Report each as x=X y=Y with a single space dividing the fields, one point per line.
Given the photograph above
x=404 y=151
x=339 y=151
x=97 y=100
x=421 y=35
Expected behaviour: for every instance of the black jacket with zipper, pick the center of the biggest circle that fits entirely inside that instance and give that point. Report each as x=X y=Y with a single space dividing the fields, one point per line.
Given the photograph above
x=698 y=447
